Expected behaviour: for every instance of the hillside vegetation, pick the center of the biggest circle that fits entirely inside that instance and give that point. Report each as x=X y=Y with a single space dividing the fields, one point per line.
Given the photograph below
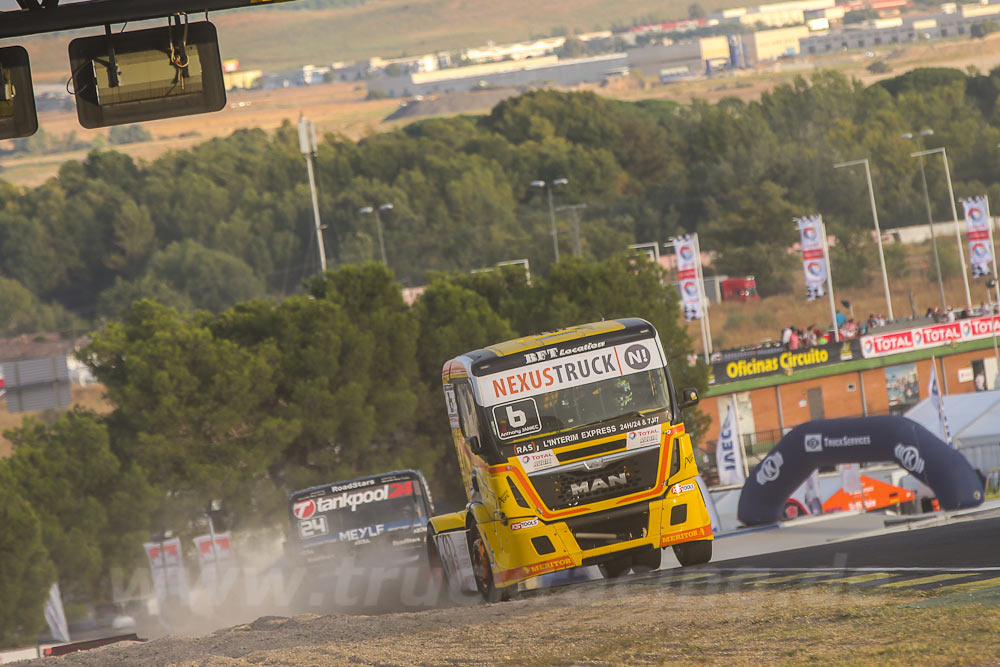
x=230 y=219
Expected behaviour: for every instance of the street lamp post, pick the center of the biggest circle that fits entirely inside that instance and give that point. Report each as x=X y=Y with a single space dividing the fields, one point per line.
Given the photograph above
x=574 y=208
x=954 y=215
x=878 y=231
x=378 y=226
x=552 y=212
x=930 y=217
x=307 y=146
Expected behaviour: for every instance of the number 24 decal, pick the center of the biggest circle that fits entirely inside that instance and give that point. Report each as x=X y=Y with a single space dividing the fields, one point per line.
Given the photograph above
x=400 y=489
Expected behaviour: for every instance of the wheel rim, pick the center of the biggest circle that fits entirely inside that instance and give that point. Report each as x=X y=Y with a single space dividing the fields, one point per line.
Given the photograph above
x=481 y=565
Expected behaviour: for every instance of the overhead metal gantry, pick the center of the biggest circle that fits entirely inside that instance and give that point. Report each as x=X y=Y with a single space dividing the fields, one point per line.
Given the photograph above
x=118 y=77
x=42 y=16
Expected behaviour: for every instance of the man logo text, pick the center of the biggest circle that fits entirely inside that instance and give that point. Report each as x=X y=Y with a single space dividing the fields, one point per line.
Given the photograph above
x=598 y=484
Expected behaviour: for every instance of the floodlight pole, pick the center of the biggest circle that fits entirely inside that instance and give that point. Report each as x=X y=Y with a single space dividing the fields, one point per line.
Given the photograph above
x=878 y=231
x=574 y=208
x=930 y=216
x=954 y=215
x=307 y=145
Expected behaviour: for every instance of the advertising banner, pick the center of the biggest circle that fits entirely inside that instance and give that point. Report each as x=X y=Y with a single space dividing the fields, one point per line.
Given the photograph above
x=687 y=274
x=933 y=335
x=166 y=564
x=772 y=361
x=977 y=224
x=554 y=371
x=729 y=452
x=214 y=562
x=813 y=255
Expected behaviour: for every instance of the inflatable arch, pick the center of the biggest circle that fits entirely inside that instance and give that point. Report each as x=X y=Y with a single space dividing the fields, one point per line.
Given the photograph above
x=827 y=442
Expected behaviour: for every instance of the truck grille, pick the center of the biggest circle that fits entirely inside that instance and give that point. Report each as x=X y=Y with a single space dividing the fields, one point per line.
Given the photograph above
x=567 y=488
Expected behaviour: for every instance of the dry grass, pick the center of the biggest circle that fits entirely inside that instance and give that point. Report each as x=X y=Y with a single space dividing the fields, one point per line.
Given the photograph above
x=90 y=397
x=623 y=624
x=734 y=324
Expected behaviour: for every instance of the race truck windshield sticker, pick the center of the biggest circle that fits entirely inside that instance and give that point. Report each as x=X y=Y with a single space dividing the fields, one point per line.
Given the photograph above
x=640 y=431
x=553 y=372
x=517 y=419
x=318 y=526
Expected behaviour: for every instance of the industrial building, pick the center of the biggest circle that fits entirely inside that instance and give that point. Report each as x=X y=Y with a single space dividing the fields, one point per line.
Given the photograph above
x=899 y=30
x=547 y=69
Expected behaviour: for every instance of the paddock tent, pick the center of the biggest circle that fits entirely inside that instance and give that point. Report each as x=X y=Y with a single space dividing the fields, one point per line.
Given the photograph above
x=974 y=422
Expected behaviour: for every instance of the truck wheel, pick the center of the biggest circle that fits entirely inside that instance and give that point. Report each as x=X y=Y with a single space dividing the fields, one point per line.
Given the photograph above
x=693 y=553
x=439 y=576
x=615 y=568
x=482 y=567
x=646 y=561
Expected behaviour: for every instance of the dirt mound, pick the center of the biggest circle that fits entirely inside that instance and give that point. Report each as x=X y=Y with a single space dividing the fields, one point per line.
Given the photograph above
x=635 y=622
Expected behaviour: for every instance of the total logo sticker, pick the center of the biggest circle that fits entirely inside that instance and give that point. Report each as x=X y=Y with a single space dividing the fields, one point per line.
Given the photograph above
x=643 y=437
x=538 y=461
x=527 y=523
x=678 y=489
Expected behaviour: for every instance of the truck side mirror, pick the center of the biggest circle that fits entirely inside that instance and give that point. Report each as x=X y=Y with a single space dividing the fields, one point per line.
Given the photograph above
x=474 y=444
x=689 y=398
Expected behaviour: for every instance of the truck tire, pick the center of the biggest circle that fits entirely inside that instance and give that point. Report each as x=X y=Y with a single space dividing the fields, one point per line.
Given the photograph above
x=482 y=567
x=693 y=553
x=646 y=561
x=439 y=575
x=615 y=568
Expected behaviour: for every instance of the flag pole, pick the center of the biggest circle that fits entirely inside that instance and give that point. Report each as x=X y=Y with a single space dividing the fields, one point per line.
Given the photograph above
x=829 y=280
x=739 y=436
x=704 y=300
x=996 y=281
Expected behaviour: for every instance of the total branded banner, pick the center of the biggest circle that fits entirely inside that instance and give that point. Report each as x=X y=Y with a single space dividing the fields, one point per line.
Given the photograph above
x=813 y=255
x=687 y=275
x=977 y=224
x=575 y=370
x=960 y=331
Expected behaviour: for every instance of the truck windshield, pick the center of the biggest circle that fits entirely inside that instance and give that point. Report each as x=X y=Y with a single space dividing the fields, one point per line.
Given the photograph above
x=351 y=515
x=592 y=403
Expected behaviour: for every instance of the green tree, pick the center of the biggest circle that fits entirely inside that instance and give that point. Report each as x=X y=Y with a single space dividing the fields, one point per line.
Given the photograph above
x=25 y=569
x=93 y=510
x=192 y=409
x=751 y=235
x=980 y=29
x=128 y=134
x=211 y=279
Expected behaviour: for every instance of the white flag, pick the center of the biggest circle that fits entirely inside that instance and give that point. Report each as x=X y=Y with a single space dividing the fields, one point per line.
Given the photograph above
x=935 y=393
x=55 y=616
x=728 y=452
x=977 y=224
x=813 y=255
x=813 y=502
x=687 y=274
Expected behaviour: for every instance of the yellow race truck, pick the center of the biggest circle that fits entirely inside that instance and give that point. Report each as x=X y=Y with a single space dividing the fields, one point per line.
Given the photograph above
x=572 y=453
